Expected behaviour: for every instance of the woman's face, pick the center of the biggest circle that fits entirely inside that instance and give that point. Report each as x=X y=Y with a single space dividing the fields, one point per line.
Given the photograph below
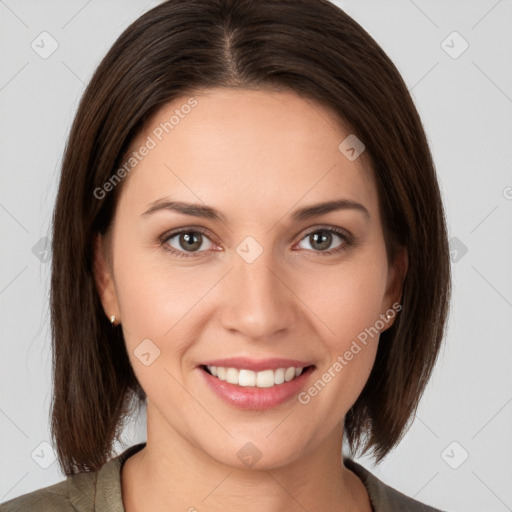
x=257 y=280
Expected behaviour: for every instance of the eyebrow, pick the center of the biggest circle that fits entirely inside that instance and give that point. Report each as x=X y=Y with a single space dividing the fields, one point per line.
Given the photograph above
x=207 y=212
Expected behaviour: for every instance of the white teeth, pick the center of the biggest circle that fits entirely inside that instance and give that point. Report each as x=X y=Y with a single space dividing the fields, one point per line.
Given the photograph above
x=263 y=379
x=246 y=378
x=232 y=375
x=289 y=374
x=279 y=375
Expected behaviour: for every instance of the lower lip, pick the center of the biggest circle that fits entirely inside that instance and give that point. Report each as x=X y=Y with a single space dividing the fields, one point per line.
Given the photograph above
x=254 y=398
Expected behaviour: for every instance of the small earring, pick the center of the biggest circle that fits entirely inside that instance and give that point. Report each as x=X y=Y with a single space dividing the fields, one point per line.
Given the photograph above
x=112 y=319
x=388 y=316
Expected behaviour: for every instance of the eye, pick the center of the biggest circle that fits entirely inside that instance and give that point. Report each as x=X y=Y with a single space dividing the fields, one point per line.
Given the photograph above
x=186 y=241
x=322 y=238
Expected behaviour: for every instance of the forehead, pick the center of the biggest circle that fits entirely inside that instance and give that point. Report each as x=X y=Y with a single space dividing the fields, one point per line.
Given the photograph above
x=250 y=150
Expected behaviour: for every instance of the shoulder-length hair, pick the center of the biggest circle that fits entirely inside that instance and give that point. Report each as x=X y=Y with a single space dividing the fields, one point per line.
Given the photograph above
x=310 y=47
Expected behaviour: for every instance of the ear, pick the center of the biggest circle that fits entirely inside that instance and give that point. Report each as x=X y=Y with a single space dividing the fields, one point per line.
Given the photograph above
x=103 y=278
x=397 y=272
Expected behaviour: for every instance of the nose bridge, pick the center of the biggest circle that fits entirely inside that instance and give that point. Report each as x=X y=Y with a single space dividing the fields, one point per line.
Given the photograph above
x=256 y=302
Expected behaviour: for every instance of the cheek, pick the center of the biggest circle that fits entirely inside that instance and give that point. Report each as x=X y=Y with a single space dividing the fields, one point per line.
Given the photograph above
x=159 y=303
x=156 y=327
x=347 y=303
x=347 y=298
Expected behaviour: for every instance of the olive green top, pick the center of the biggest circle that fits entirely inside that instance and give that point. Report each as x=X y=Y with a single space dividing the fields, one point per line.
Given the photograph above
x=100 y=491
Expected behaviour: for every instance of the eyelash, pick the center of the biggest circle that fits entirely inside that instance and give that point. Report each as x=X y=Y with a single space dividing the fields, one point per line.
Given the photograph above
x=347 y=238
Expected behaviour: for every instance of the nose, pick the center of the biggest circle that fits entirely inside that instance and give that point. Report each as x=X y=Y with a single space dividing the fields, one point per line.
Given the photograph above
x=257 y=300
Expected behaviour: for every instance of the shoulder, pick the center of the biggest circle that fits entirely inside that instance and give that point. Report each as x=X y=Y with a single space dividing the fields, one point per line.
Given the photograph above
x=74 y=494
x=383 y=497
x=82 y=492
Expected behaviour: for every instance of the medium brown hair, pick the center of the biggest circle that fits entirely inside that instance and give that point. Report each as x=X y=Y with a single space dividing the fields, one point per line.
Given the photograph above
x=310 y=47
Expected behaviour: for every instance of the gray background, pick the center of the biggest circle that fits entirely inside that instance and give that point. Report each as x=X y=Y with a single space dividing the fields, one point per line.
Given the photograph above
x=466 y=104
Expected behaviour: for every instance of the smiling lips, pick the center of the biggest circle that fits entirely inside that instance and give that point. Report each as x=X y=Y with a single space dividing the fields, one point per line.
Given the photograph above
x=256 y=384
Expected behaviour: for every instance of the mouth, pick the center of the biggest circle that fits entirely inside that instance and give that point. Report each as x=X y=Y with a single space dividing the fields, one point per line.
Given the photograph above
x=256 y=384
x=246 y=378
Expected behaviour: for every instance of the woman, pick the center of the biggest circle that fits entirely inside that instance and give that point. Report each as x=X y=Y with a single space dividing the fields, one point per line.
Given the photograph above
x=249 y=239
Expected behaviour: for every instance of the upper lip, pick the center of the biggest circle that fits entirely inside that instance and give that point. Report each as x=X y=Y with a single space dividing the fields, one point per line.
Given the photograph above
x=257 y=365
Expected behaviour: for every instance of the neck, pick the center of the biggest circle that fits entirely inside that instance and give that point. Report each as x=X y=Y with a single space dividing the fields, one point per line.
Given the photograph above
x=171 y=473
